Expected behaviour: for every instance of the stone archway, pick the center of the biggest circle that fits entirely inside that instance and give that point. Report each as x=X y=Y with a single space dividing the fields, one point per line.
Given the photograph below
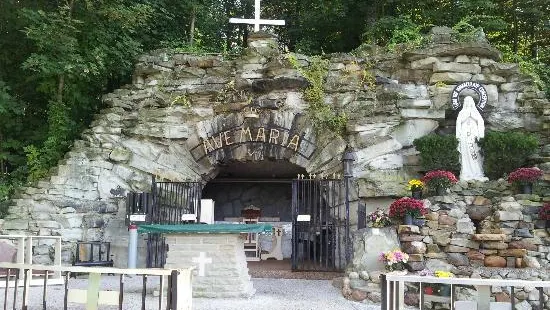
x=271 y=136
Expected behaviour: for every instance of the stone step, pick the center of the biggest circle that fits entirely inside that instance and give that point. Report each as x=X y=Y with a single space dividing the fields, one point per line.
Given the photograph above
x=489 y=237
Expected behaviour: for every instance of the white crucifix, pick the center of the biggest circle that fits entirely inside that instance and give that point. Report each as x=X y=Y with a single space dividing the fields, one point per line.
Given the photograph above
x=257 y=21
x=202 y=260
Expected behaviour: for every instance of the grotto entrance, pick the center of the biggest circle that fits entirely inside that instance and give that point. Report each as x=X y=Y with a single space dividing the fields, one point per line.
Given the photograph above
x=306 y=213
x=249 y=191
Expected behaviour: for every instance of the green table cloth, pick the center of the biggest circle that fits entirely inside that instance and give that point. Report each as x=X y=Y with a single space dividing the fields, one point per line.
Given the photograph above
x=204 y=228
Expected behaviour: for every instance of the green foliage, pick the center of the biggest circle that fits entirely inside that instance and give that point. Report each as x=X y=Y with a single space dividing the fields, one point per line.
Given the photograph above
x=391 y=31
x=506 y=151
x=323 y=116
x=438 y=152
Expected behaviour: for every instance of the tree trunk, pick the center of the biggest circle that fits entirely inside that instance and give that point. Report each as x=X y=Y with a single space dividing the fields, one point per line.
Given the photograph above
x=515 y=25
x=192 y=27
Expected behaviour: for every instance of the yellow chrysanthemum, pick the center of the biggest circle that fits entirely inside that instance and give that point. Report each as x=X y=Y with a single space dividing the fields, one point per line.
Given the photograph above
x=415 y=184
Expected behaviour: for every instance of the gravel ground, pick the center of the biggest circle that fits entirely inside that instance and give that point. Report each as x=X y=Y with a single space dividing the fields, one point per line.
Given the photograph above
x=288 y=294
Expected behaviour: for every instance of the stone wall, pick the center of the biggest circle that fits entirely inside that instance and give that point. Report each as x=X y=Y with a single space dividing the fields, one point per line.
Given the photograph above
x=481 y=224
x=477 y=230
x=153 y=126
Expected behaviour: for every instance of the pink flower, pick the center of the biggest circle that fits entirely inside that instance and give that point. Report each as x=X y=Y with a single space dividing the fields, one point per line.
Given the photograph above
x=525 y=175
x=405 y=205
x=441 y=178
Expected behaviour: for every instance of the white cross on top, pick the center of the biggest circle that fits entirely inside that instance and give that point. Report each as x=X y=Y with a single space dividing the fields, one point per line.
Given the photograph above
x=202 y=260
x=257 y=21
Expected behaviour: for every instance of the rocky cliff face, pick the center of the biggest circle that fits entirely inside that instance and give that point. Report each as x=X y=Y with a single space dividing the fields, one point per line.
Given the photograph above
x=181 y=106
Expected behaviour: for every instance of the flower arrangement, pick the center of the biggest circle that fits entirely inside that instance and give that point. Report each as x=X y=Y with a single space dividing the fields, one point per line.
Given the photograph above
x=405 y=205
x=379 y=218
x=415 y=185
x=523 y=175
x=544 y=212
x=394 y=260
x=439 y=178
x=436 y=288
x=443 y=274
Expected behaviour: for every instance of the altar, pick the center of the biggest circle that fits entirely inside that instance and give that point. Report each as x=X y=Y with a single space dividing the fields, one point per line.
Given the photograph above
x=265 y=239
x=217 y=250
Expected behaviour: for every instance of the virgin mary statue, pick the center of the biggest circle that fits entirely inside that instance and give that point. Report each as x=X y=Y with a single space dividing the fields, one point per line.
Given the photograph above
x=469 y=129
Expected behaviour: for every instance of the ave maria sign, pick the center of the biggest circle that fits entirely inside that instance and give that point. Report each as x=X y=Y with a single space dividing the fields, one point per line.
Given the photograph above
x=253 y=138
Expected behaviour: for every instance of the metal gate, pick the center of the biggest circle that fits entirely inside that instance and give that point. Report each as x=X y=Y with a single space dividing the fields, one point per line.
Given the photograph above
x=173 y=203
x=320 y=227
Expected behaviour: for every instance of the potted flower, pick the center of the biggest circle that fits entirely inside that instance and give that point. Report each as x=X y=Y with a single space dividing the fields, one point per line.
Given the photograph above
x=544 y=214
x=439 y=180
x=436 y=288
x=407 y=208
x=416 y=186
x=394 y=260
x=378 y=219
x=444 y=289
x=525 y=178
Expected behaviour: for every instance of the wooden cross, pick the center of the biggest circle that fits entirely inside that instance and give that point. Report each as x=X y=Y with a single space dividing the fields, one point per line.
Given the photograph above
x=256 y=21
x=278 y=231
x=202 y=260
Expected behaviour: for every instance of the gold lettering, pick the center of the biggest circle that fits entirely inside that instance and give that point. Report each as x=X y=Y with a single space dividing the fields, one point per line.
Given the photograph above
x=295 y=141
x=227 y=138
x=272 y=137
x=261 y=134
x=218 y=143
x=285 y=139
x=243 y=131
x=207 y=146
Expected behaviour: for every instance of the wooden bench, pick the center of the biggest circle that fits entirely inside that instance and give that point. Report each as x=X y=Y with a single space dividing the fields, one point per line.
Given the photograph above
x=93 y=254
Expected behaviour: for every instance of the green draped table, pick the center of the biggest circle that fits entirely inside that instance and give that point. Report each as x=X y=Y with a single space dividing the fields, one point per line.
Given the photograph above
x=217 y=252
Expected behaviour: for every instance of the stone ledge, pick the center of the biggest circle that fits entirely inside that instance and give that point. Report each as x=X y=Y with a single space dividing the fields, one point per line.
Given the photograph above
x=489 y=237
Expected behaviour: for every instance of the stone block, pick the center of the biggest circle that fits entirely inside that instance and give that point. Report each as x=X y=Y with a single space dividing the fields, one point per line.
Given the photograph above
x=424 y=63
x=409 y=237
x=450 y=77
x=458 y=259
x=522 y=244
x=416 y=266
x=489 y=237
x=456 y=249
x=414 y=247
x=441 y=238
x=475 y=255
x=408 y=229
x=501 y=216
x=465 y=226
x=495 y=261
x=456 y=67
x=494 y=245
x=481 y=201
x=488 y=78
x=446 y=220
x=464 y=243
x=512 y=252
x=416 y=257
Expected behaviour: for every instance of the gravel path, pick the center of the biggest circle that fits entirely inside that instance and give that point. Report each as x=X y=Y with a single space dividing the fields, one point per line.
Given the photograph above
x=288 y=294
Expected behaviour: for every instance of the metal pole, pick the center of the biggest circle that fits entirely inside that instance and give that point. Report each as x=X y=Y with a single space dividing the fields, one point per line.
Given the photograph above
x=132 y=246
x=346 y=180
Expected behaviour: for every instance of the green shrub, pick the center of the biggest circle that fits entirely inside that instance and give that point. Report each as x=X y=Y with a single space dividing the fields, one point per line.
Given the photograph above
x=506 y=151
x=438 y=152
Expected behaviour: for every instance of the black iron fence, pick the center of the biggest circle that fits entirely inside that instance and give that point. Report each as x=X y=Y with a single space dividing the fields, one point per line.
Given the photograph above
x=168 y=203
x=320 y=228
